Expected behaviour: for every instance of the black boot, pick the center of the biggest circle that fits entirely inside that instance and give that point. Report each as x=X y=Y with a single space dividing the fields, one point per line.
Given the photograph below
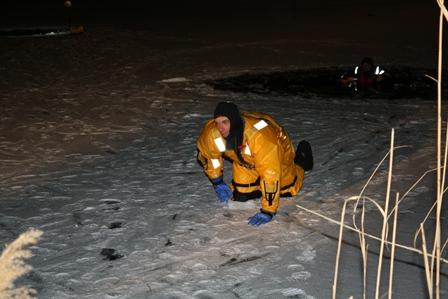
x=304 y=155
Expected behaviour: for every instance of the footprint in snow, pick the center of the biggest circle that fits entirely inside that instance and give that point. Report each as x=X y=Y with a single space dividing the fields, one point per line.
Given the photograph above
x=110 y=254
x=295 y=293
x=112 y=204
x=115 y=225
x=301 y=276
x=358 y=171
x=110 y=201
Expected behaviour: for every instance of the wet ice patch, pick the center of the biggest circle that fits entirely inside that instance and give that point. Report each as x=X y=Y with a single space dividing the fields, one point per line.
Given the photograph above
x=192 y=115
x=175 y=80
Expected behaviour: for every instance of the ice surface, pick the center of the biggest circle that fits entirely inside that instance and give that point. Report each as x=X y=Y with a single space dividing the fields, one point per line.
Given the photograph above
x=97 y=148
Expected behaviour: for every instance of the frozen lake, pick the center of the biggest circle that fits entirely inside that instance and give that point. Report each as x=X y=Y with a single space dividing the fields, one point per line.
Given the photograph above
x=97 y=149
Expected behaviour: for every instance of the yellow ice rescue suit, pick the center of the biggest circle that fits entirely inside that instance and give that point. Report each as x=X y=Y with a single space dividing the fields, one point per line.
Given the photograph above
x=268 y=159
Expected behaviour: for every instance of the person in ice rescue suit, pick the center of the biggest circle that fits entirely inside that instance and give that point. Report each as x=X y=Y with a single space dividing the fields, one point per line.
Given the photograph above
x=264 y=162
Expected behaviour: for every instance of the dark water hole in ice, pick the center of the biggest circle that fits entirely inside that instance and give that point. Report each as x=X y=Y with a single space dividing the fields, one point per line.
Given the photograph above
x=397 y=83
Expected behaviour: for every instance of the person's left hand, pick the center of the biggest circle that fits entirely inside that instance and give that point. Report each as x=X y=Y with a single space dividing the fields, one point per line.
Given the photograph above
x=260 y=218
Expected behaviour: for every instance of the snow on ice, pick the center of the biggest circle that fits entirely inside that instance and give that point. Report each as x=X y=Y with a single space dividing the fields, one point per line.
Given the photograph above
x=97 y=149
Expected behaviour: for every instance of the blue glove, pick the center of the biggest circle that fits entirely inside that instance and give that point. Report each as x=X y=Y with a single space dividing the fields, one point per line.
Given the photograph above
x=260 y=218
x=222 y=190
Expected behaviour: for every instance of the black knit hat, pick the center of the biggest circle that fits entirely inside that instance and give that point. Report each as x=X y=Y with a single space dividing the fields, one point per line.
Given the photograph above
x=227 y=109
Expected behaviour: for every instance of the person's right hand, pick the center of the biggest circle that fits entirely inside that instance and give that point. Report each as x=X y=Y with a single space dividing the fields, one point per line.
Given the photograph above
x=222 y=190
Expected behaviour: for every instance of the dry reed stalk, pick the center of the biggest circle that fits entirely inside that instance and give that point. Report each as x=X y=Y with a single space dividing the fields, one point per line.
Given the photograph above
x=431 y=77
x=12 y=265
x=425 y=259
x=338 y=253
x=386 y=208
x=412 y=187
x=364 y=250
x=444 y=161
x=443 y=9
x=412 y=249
x=439 y=214
x=341 y=229
x=355 y=207
x=444 y=190
x=436 y=248
x=392 y=254
x=440 y=187
x=365 y=256
x=370 y=179
x=430 y=210
x=444 y=245
x=423 y=222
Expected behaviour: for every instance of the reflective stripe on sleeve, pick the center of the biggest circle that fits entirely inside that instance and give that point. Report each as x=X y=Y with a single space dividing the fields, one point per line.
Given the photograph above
x=215 y=163
x=247 y=150
x=220 y=144
x=260 y=125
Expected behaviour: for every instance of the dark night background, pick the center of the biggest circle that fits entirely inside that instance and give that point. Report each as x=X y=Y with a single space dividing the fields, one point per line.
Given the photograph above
x=343 y=12
x=364 y=21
